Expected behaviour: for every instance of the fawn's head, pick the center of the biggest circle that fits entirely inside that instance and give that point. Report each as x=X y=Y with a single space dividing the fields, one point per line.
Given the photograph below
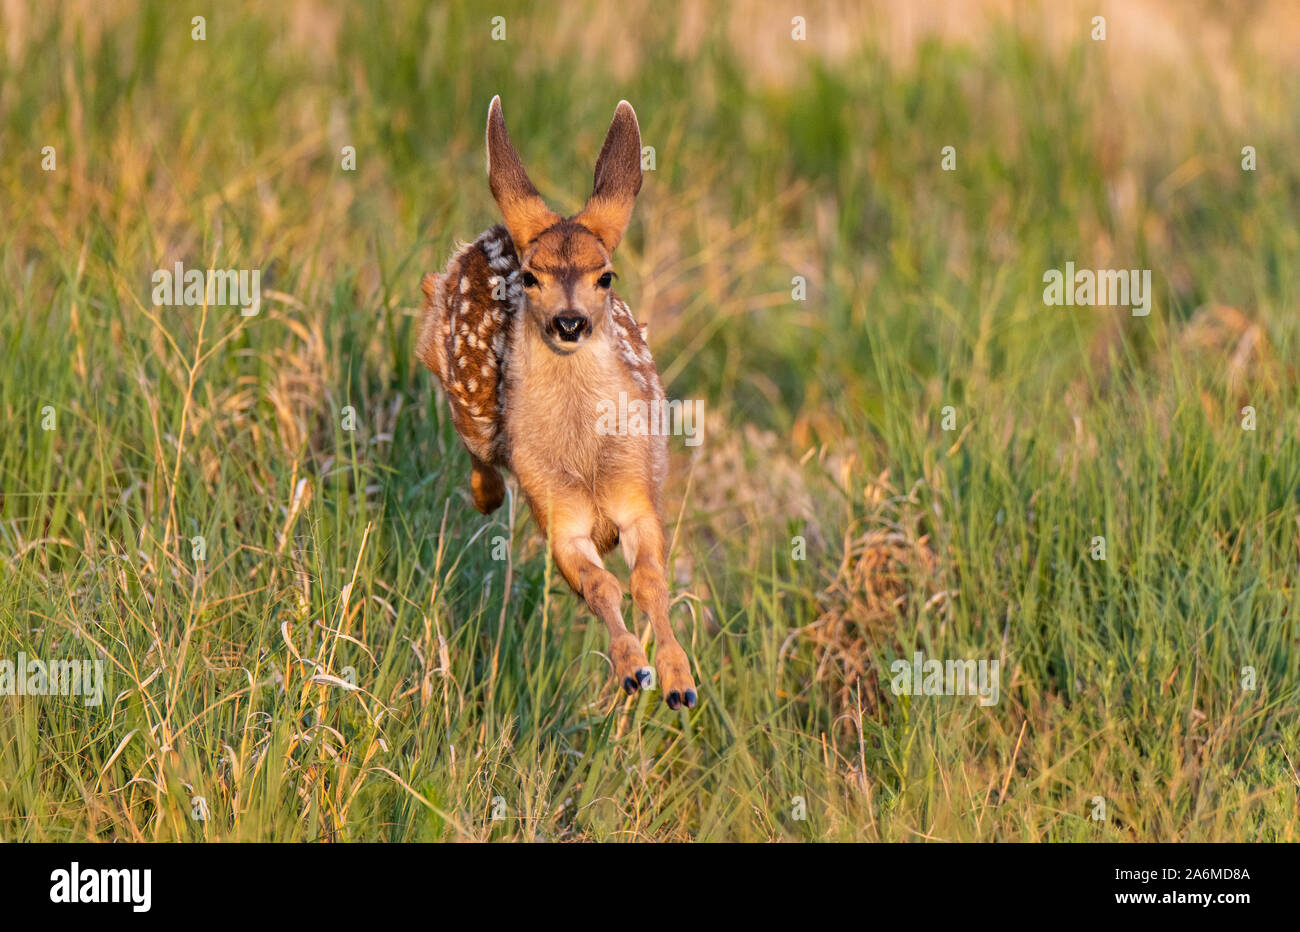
x=565 y=263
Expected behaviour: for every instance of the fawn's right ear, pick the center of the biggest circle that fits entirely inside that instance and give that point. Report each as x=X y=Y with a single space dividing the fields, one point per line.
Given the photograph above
x=522 y=208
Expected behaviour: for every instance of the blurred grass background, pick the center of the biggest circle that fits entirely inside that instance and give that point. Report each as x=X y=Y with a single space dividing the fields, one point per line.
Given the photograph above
x=336 y=554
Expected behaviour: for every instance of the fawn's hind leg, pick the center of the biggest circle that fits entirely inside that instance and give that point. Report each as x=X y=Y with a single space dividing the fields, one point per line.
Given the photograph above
x=642 y=536
x=486 y=486
x=579 y=562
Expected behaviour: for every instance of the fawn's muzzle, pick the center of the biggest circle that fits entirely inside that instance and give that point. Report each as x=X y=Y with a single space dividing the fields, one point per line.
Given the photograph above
x=571 y=327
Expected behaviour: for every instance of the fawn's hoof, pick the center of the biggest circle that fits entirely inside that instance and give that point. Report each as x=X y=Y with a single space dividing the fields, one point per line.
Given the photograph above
x=631 y=668
x=674 y=666
x=676 y=699
x=675 y=677
x=641 y=680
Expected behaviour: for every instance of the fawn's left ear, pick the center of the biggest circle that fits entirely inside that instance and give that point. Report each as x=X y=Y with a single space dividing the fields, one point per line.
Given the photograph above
x=618 y=179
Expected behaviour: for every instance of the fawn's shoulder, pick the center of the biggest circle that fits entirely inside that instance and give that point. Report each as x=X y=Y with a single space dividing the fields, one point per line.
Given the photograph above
x=633 y=350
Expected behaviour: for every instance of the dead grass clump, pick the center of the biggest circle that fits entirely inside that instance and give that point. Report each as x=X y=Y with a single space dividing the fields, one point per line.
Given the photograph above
x=888 y=576
x=1219 y=331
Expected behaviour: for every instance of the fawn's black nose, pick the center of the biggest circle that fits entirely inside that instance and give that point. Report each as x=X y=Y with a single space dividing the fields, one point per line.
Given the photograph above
x=569 y=327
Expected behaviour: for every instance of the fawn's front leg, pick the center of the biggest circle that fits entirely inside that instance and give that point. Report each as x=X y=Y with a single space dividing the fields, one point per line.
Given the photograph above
x=579 y=561
x=642 y=536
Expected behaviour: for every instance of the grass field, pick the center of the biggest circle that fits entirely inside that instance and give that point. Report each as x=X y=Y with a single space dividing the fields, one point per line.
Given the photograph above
x=1162 y=680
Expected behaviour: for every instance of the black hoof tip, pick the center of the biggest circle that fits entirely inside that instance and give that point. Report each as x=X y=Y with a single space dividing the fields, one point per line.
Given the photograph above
x=630 y=685
x=690 y=698
x=645 y=675
x=674 y=700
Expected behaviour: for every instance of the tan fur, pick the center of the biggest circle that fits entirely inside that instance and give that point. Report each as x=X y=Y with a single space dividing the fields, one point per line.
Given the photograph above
x=538 y=412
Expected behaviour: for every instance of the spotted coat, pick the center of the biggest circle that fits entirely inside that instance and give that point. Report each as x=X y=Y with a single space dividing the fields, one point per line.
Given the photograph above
x=468 y=311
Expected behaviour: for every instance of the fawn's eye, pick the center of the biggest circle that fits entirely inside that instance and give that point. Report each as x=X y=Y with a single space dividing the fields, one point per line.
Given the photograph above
x=529 y=280
x=605 y=280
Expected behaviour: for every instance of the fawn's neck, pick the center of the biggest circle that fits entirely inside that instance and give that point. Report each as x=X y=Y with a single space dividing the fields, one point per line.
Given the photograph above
x=558 y=393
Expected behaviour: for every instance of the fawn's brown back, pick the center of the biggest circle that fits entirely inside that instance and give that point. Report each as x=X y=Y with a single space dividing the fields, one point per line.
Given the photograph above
x=464 y=338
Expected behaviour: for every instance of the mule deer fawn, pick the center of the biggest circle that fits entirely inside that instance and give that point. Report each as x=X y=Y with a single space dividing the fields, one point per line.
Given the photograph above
x=527 y=337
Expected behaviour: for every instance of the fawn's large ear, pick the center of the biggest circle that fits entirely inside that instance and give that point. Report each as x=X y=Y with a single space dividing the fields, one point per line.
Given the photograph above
x=522 y=208
x=618 y=179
